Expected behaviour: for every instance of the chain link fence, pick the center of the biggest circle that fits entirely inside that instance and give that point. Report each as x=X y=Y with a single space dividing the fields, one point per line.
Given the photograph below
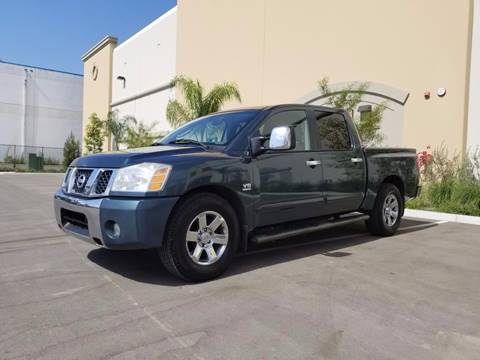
x=35 y=158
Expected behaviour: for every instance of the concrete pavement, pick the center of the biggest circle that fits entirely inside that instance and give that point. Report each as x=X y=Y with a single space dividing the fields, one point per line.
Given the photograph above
x=412 y=296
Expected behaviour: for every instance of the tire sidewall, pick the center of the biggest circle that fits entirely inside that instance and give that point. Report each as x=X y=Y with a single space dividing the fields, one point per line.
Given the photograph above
x=185 y=214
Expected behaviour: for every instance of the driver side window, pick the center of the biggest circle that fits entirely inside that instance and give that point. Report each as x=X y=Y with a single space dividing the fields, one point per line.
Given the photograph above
x=296 y=119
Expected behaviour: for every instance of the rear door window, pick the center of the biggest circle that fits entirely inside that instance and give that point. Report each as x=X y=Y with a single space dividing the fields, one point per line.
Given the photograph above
x=332 y=132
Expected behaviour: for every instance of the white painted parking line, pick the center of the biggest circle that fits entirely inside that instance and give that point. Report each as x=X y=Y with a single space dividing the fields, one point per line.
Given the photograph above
x=424 y=225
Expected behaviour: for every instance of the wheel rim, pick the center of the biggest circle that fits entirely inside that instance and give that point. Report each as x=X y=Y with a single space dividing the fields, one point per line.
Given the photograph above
x=390 y=210
x=207 y=238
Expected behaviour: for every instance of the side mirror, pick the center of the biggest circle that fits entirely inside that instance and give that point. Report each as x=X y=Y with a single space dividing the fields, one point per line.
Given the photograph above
x=281 y=138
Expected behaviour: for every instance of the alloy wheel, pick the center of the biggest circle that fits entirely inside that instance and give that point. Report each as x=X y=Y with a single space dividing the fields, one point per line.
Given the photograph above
x=390 y=210
x=207 y=238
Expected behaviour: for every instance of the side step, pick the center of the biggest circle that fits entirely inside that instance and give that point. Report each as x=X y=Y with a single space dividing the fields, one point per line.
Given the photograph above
x=307 y=227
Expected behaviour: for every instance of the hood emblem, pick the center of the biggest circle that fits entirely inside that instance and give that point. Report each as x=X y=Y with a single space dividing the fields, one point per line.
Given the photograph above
x=81 y=181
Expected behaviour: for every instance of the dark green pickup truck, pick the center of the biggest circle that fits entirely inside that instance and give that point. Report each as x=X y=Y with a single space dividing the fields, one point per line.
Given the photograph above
x=222 y=182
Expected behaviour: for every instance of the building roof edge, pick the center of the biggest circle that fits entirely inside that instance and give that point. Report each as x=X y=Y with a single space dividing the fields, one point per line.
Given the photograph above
x=98 y=46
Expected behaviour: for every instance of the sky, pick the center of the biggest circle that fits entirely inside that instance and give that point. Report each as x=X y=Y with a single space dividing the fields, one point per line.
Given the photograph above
x=56 y=33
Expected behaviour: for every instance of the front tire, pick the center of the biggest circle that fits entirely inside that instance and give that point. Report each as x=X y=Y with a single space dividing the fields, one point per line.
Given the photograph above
x=201 y=239
x=387 y=212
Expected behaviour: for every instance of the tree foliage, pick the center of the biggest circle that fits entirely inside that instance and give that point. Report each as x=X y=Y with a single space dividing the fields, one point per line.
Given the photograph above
x=197 y=103
x=137 y=134
x=94 y=134
x=71 y=150
x=368 y=123
x=116 y=128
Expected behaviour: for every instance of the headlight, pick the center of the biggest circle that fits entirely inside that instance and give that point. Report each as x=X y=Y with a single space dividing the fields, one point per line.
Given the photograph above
x=141 y=178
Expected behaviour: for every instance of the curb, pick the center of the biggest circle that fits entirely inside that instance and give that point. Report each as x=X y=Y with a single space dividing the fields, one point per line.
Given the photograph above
x=28 y=173
x=433 y=215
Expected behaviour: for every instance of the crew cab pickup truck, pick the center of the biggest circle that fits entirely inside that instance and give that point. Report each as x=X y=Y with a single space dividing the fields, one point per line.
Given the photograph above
x=216 y=185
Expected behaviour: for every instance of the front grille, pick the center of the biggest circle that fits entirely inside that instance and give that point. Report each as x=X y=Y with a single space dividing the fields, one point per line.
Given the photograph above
x=84 y=175
x=102 y=181
x=74 y=218
x=86 y=182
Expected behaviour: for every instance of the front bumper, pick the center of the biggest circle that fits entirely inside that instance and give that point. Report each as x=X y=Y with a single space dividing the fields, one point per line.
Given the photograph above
x=142 y=222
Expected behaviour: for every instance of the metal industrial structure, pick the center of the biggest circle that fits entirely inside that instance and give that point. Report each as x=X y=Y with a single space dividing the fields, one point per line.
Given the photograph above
x=39 y=107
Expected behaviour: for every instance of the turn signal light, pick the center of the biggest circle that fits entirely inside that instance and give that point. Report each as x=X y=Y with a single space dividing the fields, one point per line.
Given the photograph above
x=158 y=179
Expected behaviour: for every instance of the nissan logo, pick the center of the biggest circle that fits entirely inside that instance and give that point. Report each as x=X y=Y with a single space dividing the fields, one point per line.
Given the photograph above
x=81 y=180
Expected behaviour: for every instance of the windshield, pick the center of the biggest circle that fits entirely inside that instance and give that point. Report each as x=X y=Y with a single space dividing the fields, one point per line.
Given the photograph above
x=217 y=129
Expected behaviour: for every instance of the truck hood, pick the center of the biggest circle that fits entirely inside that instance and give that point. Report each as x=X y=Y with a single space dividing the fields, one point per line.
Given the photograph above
x=122 y=158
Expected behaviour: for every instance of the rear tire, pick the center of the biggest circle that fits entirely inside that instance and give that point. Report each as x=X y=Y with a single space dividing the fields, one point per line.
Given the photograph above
x=201 y=239
x=387 y=211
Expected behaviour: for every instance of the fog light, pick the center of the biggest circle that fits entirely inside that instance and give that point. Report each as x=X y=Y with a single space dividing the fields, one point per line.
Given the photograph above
x=112 y=229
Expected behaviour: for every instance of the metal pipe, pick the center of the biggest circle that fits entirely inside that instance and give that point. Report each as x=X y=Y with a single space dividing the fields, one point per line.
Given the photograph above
x=24 y=122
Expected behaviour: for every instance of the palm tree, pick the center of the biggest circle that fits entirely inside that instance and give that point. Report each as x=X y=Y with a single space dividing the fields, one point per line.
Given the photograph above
x=196 y=103
x=115 y=128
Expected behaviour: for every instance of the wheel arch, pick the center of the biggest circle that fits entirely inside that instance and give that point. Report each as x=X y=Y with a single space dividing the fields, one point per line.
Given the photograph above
x=397 y=181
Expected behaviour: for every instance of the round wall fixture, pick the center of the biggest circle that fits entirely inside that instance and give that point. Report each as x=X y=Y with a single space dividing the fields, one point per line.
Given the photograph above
x=94 y=72
x=441 y=92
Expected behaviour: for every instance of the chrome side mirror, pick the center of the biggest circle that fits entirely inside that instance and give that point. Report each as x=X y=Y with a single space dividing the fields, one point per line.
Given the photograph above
x=281 y=138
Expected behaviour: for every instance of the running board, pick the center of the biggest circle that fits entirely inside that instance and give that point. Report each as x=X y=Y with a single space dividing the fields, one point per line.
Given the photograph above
x=262 y=238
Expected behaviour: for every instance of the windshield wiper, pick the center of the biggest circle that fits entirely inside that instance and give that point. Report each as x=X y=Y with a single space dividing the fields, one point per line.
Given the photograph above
x=189 y=141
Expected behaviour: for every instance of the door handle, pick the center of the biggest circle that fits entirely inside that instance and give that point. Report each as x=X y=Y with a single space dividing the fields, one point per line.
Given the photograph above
x=313 y=163
x=356 y=160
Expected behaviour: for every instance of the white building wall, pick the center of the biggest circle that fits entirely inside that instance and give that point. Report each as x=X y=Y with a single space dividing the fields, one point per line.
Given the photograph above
x=39 y=107
x=473 y=130
x=147 y=62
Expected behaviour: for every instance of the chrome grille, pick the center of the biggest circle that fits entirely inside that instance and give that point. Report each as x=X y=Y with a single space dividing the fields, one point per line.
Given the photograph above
x=103 y=181
x=88 y=182
x=84 y=175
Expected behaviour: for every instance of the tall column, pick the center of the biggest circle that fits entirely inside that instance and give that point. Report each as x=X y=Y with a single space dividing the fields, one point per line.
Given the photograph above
x=473 y=127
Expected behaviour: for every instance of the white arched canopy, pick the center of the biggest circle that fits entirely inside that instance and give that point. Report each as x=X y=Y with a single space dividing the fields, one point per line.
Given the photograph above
x=392 y=98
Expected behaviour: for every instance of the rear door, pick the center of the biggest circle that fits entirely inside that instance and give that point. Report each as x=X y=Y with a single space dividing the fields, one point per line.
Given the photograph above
x=289 y=181
x=344 y=173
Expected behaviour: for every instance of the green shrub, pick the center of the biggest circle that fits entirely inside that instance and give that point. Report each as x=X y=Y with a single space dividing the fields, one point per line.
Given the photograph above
x=71 y=150
x=94 y=134
x=138 y=135
x=18 y=159
x=450 y=184
x=47 y=160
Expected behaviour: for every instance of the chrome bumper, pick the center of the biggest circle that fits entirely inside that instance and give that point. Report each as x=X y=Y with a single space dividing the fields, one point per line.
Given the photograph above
x=88 y=207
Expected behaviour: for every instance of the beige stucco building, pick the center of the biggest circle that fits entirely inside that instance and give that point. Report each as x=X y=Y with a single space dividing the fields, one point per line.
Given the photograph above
x=97 y=84
x=277 y=50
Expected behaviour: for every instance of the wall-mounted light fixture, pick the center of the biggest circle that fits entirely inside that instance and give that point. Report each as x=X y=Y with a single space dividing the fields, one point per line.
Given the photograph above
x=441 y=92
x=94 y=72
x=124 y=81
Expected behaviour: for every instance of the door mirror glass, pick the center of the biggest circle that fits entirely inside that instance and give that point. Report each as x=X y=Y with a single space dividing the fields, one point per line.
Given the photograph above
x=281 y=138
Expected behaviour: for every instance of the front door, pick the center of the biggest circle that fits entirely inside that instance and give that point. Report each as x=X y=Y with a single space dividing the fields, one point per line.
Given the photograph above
x=344 y=173
x=289 y=181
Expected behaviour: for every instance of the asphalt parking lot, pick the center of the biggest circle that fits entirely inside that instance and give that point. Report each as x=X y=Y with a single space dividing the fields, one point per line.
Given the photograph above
x=340 y=294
